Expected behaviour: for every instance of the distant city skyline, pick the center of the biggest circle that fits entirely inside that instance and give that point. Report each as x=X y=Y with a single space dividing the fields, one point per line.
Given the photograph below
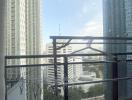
x=71 y=17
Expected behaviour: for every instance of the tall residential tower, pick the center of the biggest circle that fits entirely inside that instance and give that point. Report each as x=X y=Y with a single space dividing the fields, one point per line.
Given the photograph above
x=33 y=75
x=15 y=35
x=23 y=38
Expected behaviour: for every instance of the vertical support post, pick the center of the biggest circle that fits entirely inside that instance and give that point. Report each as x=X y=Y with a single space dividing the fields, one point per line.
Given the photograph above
x=5 y=79
x=65 y=78
x=55 y=67
x=114 y=76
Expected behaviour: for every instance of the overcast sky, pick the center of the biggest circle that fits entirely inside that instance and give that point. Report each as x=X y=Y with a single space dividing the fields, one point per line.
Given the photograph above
x=75 y=17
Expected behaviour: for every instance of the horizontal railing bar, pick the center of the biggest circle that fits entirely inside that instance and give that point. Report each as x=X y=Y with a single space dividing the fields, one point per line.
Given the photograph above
x=89 y=37
x=23 y=80
x=39 y=65
x=27 y=56
x=91 y=62
x=93 y=43
x=63 y=55
x=88 y=62
x=100 y=81
x=41 y=56
x=31 y=65
x=81 y=83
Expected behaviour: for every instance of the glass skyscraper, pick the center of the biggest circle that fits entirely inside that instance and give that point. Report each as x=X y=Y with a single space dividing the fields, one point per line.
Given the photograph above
x=128 y=13
x=118 y=23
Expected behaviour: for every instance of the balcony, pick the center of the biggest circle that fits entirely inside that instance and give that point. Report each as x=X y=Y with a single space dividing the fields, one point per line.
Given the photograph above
x=115 y=59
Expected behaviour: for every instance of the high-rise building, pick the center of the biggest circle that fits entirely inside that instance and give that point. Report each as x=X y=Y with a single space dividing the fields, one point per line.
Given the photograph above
x=74 y=71
x=60 y=69
x=128 y=13
x=118 y=23
x=15 y=36
x=23 y=38
x=33 y=75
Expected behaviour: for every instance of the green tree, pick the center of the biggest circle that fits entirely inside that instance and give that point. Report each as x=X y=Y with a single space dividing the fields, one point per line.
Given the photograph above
x=48 y=93
x=96 y=90
x=74 y=94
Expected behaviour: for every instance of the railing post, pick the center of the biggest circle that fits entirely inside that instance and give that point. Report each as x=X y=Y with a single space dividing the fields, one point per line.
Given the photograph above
x=55 y=68
x=5 y=79
x=65 y=78
x=114 y=76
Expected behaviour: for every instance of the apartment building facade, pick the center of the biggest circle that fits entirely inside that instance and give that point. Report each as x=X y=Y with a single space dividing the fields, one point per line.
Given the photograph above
x=15 y=36
x=33 y=75
x=74 y=71
x=23 y=38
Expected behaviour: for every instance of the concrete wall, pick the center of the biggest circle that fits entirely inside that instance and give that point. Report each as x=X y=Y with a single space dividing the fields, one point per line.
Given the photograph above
x=2 y=21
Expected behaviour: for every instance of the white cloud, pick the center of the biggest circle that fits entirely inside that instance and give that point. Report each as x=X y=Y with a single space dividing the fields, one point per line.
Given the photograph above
x=93 y=11
x=92 y=28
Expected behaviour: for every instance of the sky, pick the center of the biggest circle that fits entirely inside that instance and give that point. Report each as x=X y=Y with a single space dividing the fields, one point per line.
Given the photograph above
x=71 y=17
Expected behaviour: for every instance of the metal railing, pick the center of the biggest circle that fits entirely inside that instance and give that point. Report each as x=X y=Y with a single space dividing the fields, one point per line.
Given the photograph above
x=68 y=40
